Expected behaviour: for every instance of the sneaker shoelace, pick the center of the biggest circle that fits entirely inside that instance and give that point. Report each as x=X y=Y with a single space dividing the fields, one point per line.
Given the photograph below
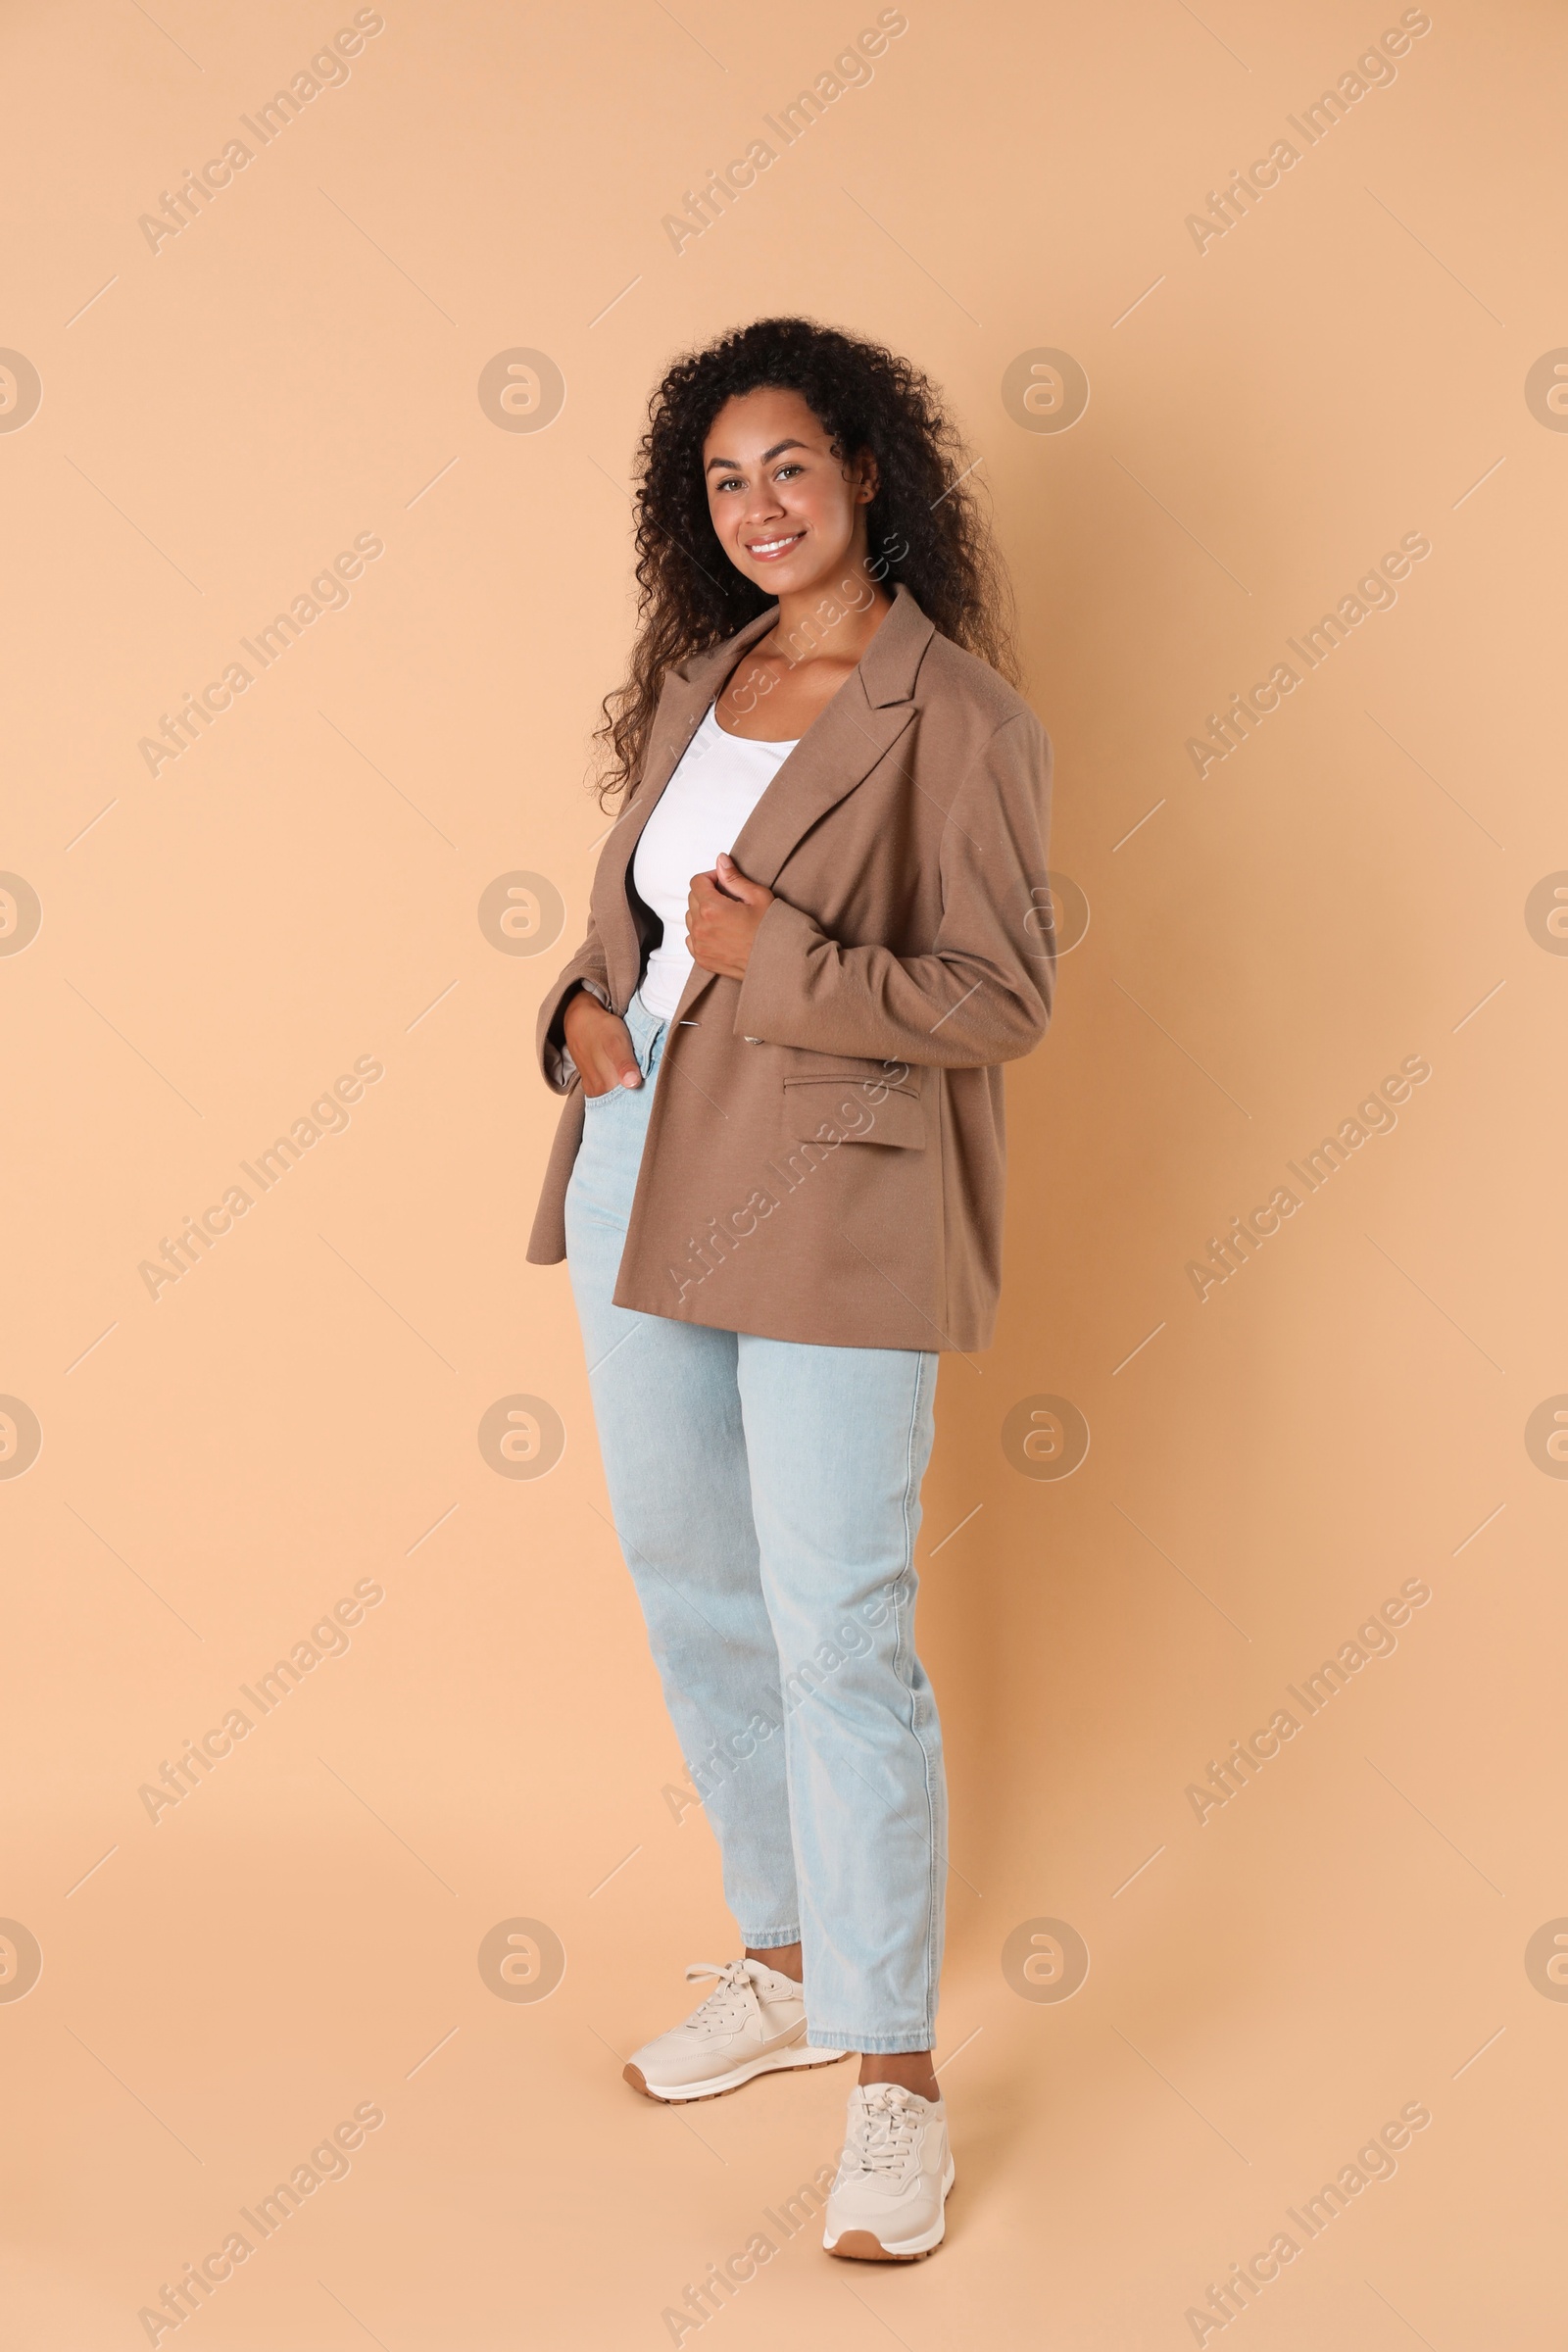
x=731 y=1999
x=889 y=2135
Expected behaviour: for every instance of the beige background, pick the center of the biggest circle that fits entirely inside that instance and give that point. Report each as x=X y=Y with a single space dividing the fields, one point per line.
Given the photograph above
x=301 y=889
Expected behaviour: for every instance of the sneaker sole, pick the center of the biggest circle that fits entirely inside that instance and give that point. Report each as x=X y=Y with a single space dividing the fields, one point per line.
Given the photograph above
x=718 y=2086
x=862 y=2245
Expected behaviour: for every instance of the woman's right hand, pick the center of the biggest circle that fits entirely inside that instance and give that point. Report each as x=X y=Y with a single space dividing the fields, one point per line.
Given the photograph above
x=600 y=1044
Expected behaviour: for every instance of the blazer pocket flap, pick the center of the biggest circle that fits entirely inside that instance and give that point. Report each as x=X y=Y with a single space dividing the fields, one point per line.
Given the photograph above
x=852 y=1111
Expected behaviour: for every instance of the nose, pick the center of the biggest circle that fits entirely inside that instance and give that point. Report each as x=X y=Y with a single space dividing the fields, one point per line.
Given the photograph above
x=764 y=503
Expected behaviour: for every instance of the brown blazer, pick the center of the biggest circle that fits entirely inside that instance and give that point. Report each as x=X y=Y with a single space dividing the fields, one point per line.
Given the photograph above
x=824 y=1158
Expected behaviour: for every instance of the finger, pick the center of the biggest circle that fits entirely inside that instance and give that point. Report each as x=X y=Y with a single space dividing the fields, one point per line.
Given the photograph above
x=738 y=885
x=611 y=1061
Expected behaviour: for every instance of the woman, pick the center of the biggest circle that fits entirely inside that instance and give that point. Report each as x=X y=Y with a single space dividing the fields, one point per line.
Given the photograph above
x=818 y=927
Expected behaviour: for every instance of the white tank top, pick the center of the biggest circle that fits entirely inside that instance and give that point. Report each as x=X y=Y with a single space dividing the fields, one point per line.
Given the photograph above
x=701 y=810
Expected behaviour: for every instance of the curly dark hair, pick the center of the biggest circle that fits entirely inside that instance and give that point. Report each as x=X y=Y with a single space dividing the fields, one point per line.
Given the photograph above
x=924 y=522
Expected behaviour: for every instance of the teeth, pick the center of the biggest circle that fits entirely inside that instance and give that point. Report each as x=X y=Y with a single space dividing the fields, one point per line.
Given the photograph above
x=768 y=547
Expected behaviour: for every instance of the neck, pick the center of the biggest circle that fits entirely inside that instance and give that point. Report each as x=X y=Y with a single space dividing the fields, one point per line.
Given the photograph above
x=803 y=628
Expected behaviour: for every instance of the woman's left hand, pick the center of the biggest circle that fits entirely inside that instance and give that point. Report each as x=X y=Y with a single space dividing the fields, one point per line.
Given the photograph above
x=723 y=914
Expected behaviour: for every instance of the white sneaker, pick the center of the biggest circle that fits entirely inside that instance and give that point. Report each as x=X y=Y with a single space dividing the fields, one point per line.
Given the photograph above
x=887 y=2204
x=752 y=2023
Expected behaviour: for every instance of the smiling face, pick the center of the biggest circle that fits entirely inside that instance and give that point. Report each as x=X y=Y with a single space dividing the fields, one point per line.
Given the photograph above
x=789 y=512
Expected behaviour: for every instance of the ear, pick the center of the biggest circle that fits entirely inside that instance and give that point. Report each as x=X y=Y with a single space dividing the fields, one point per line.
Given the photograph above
x=867 y=478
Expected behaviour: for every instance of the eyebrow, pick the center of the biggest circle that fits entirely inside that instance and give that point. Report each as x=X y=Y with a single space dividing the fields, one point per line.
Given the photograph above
x=769 y=455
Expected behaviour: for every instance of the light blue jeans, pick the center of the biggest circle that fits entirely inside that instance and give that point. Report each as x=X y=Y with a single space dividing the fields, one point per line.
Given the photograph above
x=768 y=1496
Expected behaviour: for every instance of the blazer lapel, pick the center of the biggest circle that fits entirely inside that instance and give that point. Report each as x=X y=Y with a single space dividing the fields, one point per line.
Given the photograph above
x=687 y=691
x=837 y=752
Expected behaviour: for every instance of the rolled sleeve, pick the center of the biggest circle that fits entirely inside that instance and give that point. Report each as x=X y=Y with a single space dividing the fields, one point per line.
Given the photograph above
x=585 y=970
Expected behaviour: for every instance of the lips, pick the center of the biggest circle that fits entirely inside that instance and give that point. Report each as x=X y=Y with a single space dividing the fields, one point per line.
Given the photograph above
x=769 y=551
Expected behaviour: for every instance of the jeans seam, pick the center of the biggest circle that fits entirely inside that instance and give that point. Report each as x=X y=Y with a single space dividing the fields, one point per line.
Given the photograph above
x=900 y=1656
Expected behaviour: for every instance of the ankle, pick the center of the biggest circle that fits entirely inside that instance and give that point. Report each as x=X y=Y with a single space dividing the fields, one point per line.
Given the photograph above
x=785 y=1957
x=912 y=2070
